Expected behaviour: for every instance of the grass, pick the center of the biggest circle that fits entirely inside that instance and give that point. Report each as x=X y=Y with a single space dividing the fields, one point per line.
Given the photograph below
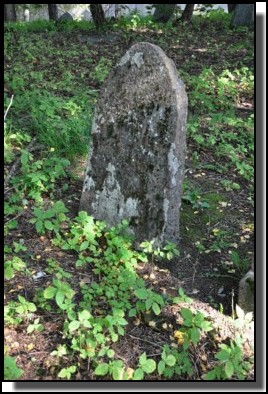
x=79 y=290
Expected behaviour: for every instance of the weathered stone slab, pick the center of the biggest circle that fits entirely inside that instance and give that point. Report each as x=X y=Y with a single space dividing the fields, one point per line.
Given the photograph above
x=136 y=161
x=246 y=292
x=66 y=17
x=243 y=15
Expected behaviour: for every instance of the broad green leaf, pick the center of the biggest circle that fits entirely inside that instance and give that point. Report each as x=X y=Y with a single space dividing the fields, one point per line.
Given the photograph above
x=102 y=369
x=148 y=303
x=50 y=292
x=31 y=307
x=60 y=297
x=143 y=358
x=40 y=327
x=30 y=329
x=161 y=367
x=142 y=294
x=138 y=374
x=11 y=371
x=132 y=312
x=9 y=272
x=21 y=299
x=39 y=226
x=187 y=315
x=181 y=292
x=48 y=225
x=122 y=321
x=170 y=360
x=63 y=373
x=223 y=355
x=110 y=353
x=176 y=300
x=120 y=330
x=84 y=245
x=118 y=373
x=84 y=315
x=74 y=325
x=210 y=376
x=206 y=326
x=149 y=366
x=114 y=337
x=61 y=217
x=158 y=299
x=229 y=369
x=195 y=335
x=156 y=308
x=86 y=324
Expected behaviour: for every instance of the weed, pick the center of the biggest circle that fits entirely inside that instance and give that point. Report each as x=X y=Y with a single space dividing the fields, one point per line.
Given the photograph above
x=231 y=363
x=11 y=371
x=101 y=70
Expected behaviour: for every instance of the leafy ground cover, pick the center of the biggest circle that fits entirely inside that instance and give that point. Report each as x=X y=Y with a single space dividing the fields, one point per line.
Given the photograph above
x=80 y=302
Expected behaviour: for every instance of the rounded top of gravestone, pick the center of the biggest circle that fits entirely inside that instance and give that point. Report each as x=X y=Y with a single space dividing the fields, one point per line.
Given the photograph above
x=65 y=17
x=143 y=75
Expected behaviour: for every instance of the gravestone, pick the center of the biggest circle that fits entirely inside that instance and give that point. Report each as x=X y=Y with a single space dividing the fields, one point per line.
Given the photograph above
x=66 y=17
x=26 y=15
x=136 y=161
x=243 y=15
x=246 y=294
x=163 y=12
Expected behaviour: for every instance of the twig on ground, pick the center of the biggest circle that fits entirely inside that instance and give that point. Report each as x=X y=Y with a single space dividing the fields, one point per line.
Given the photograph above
x=145 y=340
x=8 y=107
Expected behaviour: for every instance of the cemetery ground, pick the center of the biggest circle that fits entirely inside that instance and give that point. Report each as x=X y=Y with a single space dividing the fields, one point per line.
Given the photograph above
x=80 y=302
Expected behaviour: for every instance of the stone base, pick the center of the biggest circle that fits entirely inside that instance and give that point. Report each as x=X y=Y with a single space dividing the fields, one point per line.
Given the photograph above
x=246 y=292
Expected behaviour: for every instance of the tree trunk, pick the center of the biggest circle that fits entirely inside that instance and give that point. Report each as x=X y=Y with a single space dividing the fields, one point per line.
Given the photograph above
x=231 y=7
x=10 y=13
x=187 y=13
x=163 y=12
x=97 y=15
x=53 y=12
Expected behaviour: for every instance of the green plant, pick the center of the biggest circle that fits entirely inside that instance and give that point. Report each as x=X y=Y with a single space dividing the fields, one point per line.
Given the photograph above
x=67 y=372
x=182 y=297
x=24 y=307
x=50 y=219
x=193 y=324
x=62 y=292
x=11 y=371
x=168 y=251
x=35 y=326
x=193 y=197
x=115 y=368
x=101 y=70
x=12 y=265
x=241 y=265
x=152 y=301
x=174 y=362
x=231 y=363
x=145 y=366
x=39 y=176
x=244 y=320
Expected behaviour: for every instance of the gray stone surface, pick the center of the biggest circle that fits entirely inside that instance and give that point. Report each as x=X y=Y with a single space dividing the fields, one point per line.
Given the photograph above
x=163 y=12
x=136 y=161
x=26 y=15
x=243 y=15
x=246 y=292
x=66 y=17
